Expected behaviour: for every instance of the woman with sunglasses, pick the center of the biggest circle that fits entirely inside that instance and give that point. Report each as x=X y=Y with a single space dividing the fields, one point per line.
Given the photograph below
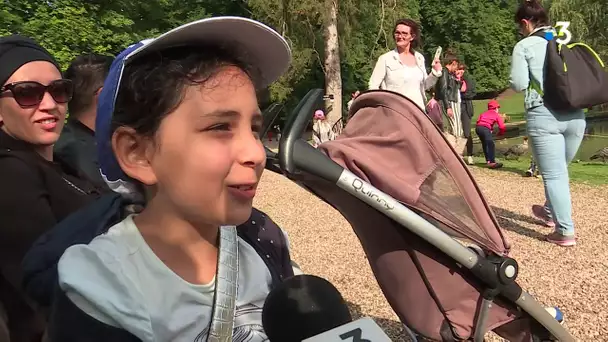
x=37 y=191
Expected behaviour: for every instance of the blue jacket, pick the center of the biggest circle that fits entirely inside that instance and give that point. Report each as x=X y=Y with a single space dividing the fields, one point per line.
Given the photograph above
x=527 y=65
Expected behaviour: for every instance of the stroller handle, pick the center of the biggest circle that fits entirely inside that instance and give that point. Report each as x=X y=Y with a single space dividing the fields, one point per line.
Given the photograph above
x=270 y=115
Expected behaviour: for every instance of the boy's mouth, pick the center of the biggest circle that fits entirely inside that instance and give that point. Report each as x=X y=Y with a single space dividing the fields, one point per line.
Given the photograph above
x=243 y=191
x=244 y=187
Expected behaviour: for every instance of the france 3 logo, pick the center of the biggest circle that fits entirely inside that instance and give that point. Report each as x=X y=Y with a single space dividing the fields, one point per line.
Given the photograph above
x=562 y=31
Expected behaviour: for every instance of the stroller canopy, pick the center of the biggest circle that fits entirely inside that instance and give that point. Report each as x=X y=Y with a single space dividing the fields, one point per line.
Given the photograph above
x=391 y=143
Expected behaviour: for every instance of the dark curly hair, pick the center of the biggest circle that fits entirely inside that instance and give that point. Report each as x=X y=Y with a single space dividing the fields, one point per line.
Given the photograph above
x=154 y=85
x=415 y=31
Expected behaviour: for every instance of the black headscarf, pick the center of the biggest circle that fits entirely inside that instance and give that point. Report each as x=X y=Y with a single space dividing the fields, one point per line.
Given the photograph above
x=17 y=50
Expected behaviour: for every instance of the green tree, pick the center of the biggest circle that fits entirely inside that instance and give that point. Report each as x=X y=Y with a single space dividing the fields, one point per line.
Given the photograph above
x=588 y=21
x=481 y=31
x=68 y=28
x=367 y=33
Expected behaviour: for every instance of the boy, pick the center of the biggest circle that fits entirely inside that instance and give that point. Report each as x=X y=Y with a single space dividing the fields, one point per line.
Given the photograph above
x=190 y=145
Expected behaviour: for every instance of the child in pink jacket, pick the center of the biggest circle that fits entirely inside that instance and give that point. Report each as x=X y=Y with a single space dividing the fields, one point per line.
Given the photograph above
x=485 y=125
x=433 y=110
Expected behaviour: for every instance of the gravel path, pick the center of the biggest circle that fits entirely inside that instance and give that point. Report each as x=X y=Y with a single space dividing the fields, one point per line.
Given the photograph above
x=575 y=279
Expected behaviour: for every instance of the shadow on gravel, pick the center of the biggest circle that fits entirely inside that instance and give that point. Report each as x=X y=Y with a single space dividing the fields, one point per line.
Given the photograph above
x=507 y=220
x=394 y=329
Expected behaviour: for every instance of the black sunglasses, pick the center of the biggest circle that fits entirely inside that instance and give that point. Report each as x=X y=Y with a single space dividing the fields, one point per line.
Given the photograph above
x=31 y=93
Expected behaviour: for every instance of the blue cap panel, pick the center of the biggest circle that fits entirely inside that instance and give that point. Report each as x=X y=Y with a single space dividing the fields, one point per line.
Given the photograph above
x=110 y=169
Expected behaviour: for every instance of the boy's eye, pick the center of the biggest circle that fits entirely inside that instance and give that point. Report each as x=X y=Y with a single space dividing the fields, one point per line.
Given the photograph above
x=256 y=129
x=219 y=127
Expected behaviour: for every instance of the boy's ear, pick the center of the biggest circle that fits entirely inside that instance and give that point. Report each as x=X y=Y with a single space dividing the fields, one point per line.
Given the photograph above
x=134 y=154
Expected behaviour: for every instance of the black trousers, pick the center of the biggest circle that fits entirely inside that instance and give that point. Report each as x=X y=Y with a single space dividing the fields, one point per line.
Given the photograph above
x=487 y=142
x=466 y=128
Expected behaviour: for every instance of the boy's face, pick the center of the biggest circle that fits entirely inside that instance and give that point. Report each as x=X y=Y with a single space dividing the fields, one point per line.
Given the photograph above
x=208 y=157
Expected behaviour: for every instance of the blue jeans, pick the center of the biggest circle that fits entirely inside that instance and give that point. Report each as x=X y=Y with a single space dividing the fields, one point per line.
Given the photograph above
x=555 y=139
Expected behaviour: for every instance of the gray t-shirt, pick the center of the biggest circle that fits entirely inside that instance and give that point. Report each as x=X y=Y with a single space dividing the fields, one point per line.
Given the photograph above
x=118 y=280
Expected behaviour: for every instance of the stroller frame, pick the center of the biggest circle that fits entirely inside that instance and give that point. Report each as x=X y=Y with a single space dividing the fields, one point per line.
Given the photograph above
x=497 y=274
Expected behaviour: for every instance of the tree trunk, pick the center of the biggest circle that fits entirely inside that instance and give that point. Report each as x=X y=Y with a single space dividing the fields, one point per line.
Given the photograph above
x=333 y=77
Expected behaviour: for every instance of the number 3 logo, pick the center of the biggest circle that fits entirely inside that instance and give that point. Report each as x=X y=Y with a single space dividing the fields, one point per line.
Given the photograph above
x=355 y=335
x=563 y=31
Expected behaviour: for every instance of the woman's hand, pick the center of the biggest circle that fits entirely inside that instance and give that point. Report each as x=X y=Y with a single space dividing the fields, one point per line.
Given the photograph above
x=437 y=64
x=450 y=112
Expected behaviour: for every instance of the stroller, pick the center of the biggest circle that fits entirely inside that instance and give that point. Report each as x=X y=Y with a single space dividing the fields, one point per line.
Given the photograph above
x=433 y=244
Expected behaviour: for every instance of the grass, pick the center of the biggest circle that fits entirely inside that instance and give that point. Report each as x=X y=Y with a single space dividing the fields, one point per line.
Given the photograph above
x=513 y=106
x=580 y=172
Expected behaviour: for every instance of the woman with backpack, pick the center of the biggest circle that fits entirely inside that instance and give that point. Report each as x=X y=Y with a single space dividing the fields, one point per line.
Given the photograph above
x=555 y=136
x=38 y=189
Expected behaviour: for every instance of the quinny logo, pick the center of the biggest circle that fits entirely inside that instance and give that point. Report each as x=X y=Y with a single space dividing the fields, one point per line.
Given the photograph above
x=359 y=186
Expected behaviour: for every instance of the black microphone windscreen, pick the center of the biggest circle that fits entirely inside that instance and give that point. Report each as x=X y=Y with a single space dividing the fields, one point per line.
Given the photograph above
x=301 y=307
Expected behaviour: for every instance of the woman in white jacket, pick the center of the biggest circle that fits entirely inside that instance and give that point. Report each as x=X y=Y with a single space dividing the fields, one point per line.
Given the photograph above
x=403 y=70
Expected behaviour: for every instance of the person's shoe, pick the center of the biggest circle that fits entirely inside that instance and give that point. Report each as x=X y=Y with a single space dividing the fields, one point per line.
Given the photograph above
x=494 y=165
x=529 y=173
x=470 y=160
x=541 y=214
x=561 y=240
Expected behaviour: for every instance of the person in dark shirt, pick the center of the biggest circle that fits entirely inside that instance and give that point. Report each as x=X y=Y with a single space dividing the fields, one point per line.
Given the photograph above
x=38 y=190
x=467 y=93
x=447 y=93
x=76 y=144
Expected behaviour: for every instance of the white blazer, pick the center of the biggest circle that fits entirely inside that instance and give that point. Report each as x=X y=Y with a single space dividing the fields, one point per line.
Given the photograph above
x=388 y=74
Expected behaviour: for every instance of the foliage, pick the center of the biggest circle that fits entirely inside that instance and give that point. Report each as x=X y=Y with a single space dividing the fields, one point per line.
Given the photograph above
x=481 y=31
x=588 y=21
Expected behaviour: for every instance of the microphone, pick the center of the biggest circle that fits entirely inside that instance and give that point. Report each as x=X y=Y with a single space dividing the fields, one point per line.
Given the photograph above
x=309 y=308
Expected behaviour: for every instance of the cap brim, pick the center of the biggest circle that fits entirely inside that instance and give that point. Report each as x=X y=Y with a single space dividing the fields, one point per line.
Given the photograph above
x=263 y=47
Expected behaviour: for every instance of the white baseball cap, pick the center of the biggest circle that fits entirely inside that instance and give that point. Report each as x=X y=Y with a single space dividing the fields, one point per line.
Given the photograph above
x=263 y=48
